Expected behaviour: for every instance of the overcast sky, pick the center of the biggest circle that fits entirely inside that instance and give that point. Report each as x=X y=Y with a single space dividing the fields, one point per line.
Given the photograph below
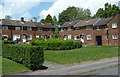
x=29 y=9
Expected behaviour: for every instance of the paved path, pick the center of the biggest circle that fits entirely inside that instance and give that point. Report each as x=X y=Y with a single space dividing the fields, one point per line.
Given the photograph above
x=74 y=69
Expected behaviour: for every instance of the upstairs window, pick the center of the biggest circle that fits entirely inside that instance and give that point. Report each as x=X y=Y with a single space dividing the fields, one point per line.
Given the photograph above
x=88 y=27
x=29 y=28
x=114 y=25
x=69 y=28
x=89 y=37
x=49 y=29
x=39 y=29
x=5 y=27
x=77 y=28
x=97 y=28
x=62 y=29
x=17 y=28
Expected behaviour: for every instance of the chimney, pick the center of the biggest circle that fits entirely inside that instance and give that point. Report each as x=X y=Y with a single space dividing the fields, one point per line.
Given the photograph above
x=22 y=19
x=88 y=17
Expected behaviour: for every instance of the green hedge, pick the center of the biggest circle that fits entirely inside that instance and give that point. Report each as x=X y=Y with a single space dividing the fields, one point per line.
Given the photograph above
x=7 y=42
x=28 y=55
x=58 y=44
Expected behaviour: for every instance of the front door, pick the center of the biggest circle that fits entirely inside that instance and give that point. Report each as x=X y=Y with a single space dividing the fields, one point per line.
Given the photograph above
x=98 y=40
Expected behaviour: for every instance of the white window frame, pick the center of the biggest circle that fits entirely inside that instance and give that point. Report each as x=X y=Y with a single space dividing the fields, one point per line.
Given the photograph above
x=114 y=25
x=89 y=37
x=37 y=36
x=97 y=28
x=17 y=36
x=114 y=37
x=88 y=27
x=75 y=38
x=69 y=36
x=29 y=38
x=62 y=29
x=29 y=28
x=3 y=27
x=77 y=28
x=6 y=36
x=17 y=28
x=39 y=29
x=69 y=28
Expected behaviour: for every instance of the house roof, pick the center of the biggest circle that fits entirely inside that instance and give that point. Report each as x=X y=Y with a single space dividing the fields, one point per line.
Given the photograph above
x=69 y=24
x=26 y=23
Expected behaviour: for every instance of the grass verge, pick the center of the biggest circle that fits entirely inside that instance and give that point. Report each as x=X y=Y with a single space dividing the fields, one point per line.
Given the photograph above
x=9 y=66
x=87 y=53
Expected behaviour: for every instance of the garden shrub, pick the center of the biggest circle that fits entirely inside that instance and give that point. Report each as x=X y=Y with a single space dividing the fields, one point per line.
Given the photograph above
x=28 y=55
x=7 y=42
x=58 y=44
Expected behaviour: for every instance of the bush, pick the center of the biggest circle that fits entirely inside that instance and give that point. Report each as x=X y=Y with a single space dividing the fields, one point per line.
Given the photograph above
x=28 y=55
x=58 y=44
x=7 y=42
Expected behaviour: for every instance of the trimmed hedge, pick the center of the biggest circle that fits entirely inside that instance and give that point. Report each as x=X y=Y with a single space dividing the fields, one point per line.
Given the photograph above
x=28 y=55
x=7 y=42
x=58 y=44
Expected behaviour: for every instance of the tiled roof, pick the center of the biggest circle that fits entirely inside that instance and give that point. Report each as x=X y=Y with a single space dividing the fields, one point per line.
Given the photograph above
x=26 y=23
x=68 y=24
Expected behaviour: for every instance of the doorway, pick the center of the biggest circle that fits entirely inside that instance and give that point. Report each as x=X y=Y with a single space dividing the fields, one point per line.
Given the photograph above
x=98 y=40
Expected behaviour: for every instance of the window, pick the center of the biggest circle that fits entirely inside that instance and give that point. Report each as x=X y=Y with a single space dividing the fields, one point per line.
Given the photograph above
x=114 y=37
x=88 y=27
x=114 y=25
x=29 y=37
x=15 y=37
x=106 y=37
x=89 y=37
x=97 y=28
x=5 y=37
x=17 y=28
x=5 y=27
x=29 y=28
x=69 y=28
x=37 y=36
x=39 y=29
x=76 y=37
x=49 y=29
x=77 y=28
x=69 y=36
x=62 y=29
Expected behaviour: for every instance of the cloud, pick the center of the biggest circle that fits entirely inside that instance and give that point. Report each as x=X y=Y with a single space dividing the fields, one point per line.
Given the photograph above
x=60 y=5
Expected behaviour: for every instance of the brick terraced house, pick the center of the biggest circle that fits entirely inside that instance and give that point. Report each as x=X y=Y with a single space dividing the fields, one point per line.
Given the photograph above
x=98 y=31
x=25 y=30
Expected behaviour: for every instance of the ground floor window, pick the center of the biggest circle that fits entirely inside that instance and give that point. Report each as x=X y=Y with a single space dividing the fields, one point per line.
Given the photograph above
x=37 y=36
x=29 y=37
x=5 y=37
x=16 y=37
x=89 y=37
x=69 y=36
x=114 y=37
x=76 y=37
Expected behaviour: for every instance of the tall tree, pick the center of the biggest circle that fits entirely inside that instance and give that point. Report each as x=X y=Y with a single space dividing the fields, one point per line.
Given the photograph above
x=108 y=11
x=8 y=17
x=49 y=19
x=73 y=13
x=42 y=20
x=55 y=21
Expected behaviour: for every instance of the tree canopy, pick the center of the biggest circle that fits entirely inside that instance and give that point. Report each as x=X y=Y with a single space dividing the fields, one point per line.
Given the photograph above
x=73 y=13
x=49 y=19
x=108 y=11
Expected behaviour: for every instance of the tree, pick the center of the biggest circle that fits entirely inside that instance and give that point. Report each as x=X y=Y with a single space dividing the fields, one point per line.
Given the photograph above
x=8 y=17
x=73 y=13
x=42 y=20
x=108 y=11
x=49 y=19
x=55 y=21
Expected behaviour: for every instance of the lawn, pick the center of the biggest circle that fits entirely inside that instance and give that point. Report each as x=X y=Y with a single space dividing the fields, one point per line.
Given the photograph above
x=87 y=53
x=9 y=66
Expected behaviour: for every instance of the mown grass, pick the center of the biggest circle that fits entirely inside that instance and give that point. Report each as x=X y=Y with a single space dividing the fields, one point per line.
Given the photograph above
x=86 y=53
x=9 y=66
